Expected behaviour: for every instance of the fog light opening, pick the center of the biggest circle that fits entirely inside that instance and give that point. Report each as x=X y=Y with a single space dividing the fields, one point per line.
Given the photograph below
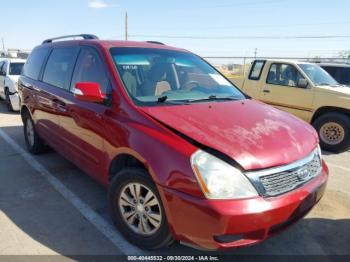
x=228 y=238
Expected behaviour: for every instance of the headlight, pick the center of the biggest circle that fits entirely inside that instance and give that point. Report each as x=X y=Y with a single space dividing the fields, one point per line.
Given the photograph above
x=219 y=180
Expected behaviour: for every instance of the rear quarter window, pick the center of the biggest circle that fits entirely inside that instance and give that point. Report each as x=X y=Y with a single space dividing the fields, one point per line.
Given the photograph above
x=34 y=63
x=256 y=70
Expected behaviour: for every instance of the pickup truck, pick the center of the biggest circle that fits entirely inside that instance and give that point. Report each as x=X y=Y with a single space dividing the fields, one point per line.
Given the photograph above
x=306 y=91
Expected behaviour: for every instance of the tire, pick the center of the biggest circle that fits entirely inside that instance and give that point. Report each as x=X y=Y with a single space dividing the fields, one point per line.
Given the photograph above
x=8 y=100
x=334 y=131
x=122 y=182
x=34 y=143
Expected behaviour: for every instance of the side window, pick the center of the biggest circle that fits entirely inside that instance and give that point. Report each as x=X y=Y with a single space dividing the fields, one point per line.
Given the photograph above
x=272 y=75
x=34 y=63
x=4 y=67
x=256 y=70
x=90 y=68
x=59 y=67
x=1 y=65
x=283 y=74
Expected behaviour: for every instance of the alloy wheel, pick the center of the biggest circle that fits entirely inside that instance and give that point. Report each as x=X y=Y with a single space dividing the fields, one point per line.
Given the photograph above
x=140 y=209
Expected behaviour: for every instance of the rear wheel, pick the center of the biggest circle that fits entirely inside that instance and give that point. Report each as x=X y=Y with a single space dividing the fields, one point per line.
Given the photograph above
x=8 y=100
x=137 y=210
x=34 y=143
x=334 y=131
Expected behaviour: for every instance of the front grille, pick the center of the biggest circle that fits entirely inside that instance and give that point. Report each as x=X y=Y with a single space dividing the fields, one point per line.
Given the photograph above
x=277 y=181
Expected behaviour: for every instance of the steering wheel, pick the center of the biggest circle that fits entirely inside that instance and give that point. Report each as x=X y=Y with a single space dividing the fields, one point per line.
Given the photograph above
x=190 y=85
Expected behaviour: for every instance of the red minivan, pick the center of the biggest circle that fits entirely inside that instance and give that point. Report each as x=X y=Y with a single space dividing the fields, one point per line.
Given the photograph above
x=186 y=156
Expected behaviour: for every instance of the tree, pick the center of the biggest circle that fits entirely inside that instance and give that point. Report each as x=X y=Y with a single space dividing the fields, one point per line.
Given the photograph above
x=345 y=55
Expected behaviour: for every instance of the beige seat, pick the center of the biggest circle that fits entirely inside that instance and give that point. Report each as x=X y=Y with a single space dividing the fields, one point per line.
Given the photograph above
x=162 y=87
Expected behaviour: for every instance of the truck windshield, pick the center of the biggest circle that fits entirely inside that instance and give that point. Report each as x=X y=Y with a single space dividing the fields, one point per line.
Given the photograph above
x=166 y=76
x=16 y=68
x=318 y=75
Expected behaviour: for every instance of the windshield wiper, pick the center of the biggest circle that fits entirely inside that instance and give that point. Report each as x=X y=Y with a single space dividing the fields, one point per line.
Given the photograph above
x=215 y=98
x=162 y=99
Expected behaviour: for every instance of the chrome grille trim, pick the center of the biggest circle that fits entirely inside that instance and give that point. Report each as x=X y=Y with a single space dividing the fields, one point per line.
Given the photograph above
x=282 y=179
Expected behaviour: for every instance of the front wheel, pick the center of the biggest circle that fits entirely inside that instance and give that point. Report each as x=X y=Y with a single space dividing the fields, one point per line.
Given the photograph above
x=137 y=209
x=334 y=131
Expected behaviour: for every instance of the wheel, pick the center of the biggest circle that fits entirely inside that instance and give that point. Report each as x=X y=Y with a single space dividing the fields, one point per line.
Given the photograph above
x=8 y=100
x=34 y=143
x=137 y=210
x=334 y=131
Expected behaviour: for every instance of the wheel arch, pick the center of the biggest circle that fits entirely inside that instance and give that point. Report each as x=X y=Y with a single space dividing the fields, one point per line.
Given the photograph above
x=23 y=111
x=329 y=109
x=128 y=158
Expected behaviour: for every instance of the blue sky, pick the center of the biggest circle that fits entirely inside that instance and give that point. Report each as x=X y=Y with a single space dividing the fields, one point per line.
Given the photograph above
x=27 y=23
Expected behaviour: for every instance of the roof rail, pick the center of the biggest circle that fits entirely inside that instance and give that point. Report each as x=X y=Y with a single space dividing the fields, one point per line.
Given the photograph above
x=155 y=42
x=84 y=36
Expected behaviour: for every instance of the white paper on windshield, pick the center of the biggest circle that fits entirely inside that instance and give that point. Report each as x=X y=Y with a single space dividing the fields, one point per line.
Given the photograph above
x=220 y=80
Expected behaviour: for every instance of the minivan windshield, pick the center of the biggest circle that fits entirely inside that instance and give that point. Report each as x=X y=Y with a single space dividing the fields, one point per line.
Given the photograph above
x=318 y=75
x=165 y=76
x=16 y=68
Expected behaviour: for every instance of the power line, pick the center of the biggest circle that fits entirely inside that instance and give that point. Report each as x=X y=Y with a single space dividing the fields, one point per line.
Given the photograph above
x=237 y=26
x=244 y=37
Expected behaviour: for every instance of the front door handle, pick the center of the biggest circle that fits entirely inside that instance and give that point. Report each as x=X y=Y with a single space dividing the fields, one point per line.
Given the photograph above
x=59 y=105
x=266 y=91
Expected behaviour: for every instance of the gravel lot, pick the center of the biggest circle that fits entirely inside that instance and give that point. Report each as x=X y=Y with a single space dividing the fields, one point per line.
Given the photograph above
x=35 y=218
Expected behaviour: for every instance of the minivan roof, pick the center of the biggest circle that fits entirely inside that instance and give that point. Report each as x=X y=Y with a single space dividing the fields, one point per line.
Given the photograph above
x=114 y=43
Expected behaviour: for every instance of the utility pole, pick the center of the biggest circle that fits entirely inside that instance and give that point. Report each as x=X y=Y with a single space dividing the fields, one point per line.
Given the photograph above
x=3 y=44
x=126 y=26
x=255 y=52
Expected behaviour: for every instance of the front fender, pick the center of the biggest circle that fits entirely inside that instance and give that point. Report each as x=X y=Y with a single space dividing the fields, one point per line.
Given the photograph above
x=11 y=85
x=329 y=98
x=166 y=156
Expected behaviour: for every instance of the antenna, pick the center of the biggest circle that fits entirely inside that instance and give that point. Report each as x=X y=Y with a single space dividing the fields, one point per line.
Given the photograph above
x=126 y=26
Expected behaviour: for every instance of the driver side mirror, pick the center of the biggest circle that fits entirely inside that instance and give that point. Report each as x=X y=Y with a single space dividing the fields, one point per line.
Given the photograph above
x=89 y=92
x=302 y=83
x=2 y=73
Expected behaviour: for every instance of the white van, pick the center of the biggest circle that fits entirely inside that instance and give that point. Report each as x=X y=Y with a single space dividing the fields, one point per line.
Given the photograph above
x=10 y=70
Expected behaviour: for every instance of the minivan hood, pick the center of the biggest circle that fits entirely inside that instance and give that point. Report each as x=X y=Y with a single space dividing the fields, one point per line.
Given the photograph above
x=253 y=134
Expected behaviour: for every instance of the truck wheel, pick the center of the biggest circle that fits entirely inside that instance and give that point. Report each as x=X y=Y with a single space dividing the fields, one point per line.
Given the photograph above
x=334 y=131
x=137 y=210
x=34 y=143
x=8 y=100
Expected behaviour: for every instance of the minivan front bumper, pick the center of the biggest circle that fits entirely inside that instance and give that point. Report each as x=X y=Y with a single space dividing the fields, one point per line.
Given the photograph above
x=221 y=224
